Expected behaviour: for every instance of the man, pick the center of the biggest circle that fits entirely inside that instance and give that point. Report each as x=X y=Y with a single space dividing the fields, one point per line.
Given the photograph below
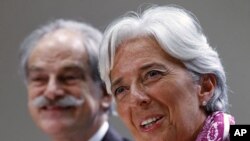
x=66 y=97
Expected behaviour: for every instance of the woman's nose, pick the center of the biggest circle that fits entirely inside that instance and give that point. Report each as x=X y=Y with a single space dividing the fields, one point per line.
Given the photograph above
x=139 y=97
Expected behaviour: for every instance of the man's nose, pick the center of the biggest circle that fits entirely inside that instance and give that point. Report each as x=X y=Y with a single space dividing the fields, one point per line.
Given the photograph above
x=139 y=97
x=53 y=89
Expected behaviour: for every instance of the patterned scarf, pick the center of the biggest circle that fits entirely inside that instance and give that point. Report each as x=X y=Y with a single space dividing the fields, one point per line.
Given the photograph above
x=216 y=127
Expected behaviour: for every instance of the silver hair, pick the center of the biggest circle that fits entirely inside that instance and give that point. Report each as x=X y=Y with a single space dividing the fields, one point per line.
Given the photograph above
x=91 y=39
x=179 y=34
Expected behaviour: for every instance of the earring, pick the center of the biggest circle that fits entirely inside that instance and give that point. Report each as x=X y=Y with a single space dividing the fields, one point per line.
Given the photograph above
x=204 y=103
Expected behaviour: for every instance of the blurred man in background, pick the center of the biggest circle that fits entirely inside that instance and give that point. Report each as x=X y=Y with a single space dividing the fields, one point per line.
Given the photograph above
x=66 y=97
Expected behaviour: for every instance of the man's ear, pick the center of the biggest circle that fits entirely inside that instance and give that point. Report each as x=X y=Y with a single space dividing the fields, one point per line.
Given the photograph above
x=208 y=84
x=106 y=99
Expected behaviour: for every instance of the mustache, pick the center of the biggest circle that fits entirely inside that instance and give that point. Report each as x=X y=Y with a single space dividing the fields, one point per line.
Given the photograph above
x=65 y=101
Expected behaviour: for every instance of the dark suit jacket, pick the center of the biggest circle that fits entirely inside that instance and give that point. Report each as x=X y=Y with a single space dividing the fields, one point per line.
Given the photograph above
x=112 y=135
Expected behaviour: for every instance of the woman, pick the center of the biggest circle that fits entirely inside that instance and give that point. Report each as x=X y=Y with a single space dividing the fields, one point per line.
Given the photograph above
x=167 y=81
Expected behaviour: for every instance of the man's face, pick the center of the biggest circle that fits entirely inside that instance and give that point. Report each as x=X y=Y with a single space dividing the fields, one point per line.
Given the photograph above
x=58 y=68
x=155 y=94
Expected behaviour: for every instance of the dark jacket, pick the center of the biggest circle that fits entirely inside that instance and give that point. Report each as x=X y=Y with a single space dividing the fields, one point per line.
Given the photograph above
x=112 y=135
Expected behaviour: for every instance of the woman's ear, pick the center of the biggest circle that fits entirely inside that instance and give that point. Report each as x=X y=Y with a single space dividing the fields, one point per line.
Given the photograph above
x=208 y=84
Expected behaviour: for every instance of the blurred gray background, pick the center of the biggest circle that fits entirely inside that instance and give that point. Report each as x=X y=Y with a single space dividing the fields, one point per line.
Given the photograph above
x=225 y=22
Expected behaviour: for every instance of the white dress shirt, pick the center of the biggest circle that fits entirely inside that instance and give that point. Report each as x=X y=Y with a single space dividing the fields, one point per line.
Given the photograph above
x=100 y=132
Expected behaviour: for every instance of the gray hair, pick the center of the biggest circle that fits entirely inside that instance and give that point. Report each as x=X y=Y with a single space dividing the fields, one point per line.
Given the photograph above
x=91 y=41
x=179 y=33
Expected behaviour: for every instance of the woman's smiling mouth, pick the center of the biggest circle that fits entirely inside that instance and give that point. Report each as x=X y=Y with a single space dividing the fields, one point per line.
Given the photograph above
x=151 y=123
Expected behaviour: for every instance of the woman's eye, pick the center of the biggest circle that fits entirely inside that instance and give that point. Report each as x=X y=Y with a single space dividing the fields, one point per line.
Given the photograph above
x=153 y=74
x=119 y=90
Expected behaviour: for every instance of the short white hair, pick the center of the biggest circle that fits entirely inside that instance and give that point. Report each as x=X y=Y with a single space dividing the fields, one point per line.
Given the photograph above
x=179 y=34
x=91 y=39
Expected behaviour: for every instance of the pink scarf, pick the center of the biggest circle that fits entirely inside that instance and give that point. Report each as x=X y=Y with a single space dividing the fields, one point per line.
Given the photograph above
x=216 y=127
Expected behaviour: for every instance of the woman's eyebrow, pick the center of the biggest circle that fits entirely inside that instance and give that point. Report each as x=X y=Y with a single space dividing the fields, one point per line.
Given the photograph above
x=151 y=65
x=116 y=82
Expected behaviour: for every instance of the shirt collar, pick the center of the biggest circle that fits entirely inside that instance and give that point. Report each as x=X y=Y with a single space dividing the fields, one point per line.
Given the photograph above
x=100 y=132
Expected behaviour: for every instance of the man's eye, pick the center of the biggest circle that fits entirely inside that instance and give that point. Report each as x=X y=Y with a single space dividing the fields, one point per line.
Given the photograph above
x=37 y=80
x=70 y=78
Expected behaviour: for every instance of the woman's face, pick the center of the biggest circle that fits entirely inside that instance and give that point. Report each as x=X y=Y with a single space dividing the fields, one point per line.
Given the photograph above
x=155 y=94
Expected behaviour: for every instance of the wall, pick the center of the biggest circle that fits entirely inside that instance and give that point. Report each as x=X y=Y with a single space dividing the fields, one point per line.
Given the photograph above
x=225 y=22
